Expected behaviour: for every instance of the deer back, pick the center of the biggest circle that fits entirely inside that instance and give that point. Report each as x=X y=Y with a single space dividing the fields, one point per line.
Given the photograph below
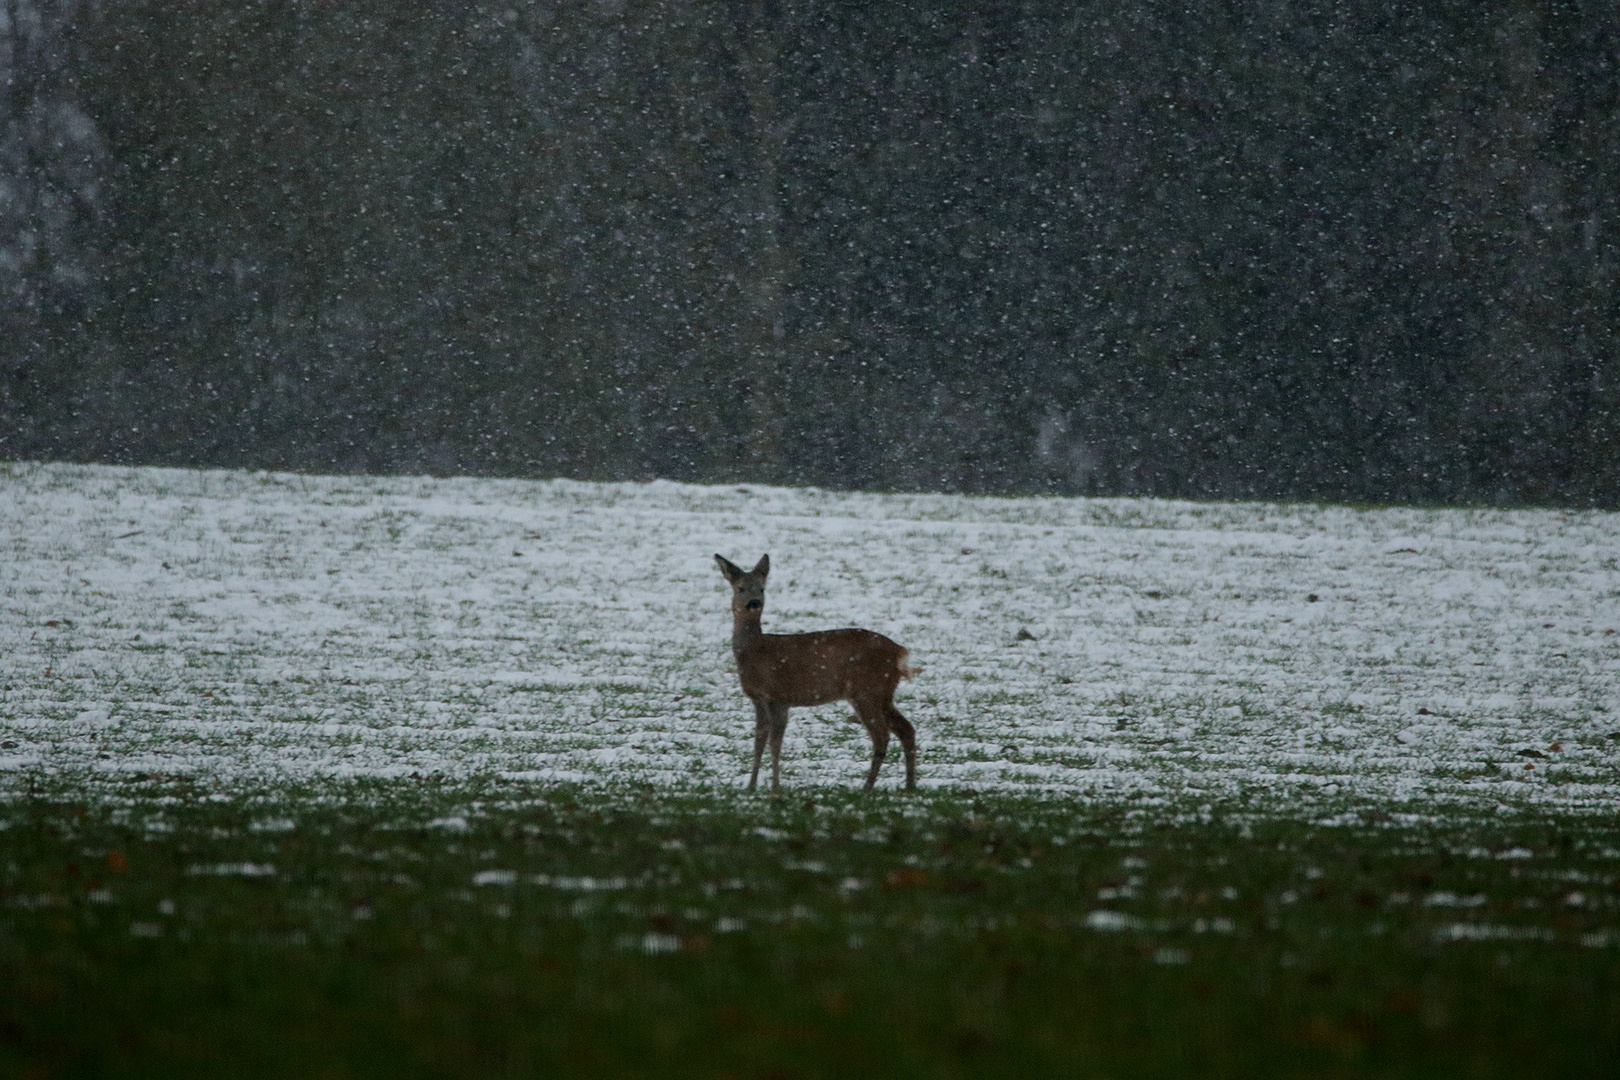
x=816 y=668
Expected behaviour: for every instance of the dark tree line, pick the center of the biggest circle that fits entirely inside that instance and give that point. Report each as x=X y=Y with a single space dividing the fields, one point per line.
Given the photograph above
x=1334 y=250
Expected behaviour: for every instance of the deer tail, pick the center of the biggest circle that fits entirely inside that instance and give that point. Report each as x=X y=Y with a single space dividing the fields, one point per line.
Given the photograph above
x=904 y=665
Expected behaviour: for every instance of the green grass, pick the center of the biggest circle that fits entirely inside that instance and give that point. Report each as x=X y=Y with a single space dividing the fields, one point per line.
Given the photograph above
x=641 y=932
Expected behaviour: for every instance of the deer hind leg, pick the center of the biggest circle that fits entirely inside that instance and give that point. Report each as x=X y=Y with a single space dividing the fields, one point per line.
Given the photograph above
x=908 y=741
x=877 y=726
x=779 y=718
x=762 y=730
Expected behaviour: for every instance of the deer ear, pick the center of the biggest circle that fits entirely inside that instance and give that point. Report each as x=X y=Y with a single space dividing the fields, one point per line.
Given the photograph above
x=728 y=568
x=763 y=567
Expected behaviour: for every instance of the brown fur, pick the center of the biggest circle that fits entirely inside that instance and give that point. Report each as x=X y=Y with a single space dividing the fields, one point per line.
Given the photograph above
x=783 y=671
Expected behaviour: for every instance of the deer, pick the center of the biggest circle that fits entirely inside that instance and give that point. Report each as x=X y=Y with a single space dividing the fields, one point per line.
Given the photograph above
x=785 y=671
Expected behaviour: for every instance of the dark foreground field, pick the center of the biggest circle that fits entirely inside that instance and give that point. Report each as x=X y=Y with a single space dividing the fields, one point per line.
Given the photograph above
x=414 y=930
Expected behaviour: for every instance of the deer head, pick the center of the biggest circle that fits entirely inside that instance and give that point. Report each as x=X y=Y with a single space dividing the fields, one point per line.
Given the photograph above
x=747 y=586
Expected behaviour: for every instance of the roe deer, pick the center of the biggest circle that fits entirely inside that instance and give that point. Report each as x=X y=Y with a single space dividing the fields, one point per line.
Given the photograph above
x=781 y=671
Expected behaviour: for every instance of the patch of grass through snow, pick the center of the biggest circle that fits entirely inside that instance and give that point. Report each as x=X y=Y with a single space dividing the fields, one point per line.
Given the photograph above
x=483 y=927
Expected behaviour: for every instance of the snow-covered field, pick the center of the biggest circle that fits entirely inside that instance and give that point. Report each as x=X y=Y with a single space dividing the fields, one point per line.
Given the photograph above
x=258 y=628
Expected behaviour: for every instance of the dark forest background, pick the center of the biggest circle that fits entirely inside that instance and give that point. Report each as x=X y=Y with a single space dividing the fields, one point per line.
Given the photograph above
x=1348 y=251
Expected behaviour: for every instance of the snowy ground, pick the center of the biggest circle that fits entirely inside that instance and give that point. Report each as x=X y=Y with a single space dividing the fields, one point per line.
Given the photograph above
x=260 y=628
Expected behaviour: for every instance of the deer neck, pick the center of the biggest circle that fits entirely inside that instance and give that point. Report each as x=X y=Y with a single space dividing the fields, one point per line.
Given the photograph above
x=744 y=629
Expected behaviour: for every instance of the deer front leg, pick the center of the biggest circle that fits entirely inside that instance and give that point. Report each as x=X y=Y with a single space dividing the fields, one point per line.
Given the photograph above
x=779 y=719
x=762 y=730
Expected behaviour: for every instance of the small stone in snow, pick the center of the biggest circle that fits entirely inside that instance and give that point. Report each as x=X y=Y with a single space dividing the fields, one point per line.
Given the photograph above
x=1531 y=753
x=1025 y=635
